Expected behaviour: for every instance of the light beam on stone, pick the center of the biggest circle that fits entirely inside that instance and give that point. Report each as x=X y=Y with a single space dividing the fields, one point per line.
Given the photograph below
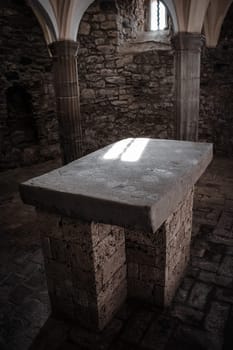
x=117 y=149
x=128 y=150
x=134 y=151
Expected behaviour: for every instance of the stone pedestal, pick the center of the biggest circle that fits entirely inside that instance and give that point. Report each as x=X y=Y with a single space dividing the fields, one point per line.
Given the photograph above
x=85 y=268
x=156 y=262
x=188 y=60
x=67 y=97
x=127 y=204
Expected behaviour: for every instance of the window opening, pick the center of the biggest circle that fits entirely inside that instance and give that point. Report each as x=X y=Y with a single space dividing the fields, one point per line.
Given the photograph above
x=158 y=15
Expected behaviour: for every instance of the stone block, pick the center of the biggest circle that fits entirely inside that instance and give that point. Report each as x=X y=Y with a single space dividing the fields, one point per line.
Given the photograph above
x=217 y=316
x=85 y=267
x=108 y=25
x=199 y=294
x=84 y=28
x=88 y=94
x=157 y=261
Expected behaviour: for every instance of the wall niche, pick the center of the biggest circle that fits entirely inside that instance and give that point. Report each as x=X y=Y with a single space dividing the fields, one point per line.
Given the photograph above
x=21 y=124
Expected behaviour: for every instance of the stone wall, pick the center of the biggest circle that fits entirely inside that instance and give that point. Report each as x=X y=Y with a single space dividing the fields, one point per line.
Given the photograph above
x=130 y=18
x=132 y=94
x=216 y=107
x=122 y=95
x=28 y=126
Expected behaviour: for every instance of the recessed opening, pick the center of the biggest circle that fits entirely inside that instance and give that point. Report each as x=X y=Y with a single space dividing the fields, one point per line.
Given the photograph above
x=158 y=15
x=21 y=124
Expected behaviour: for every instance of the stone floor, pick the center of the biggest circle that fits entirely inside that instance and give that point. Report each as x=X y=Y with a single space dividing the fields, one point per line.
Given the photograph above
x=201 y=316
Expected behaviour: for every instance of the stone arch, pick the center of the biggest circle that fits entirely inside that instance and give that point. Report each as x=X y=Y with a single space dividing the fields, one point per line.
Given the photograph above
x=172 y=12
x=214 y=19
x=59 y=20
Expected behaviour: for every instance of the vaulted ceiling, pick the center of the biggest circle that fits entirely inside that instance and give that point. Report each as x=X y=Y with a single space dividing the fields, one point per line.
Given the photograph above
x=60 y=19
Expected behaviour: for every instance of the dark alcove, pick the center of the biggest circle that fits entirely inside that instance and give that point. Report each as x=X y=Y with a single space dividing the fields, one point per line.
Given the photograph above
x=20 y=122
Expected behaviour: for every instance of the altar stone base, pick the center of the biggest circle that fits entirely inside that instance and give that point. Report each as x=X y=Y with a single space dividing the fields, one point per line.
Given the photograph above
x=156 y=262
x=85 y=267
x=86 y=264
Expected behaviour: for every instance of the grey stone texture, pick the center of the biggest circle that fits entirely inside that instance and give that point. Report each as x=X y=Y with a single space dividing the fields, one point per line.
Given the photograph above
x=67 y=96
x=134 y=94
x=28 y=125
x=156 y=262
x=216 y=118
x=187 y=84
x=122 y=95
x=86 y=262
x=147 y=178
x=85 y=268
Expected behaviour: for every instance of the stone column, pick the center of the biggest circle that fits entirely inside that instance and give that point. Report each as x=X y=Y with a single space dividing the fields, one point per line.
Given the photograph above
x=67 y=96
x=188 y=58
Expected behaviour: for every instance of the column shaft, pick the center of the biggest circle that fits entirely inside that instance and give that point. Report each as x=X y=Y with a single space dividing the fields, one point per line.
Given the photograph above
x=188 y=58
x=67 y=96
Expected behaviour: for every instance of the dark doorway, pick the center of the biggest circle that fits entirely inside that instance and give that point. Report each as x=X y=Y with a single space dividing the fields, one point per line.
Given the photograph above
x=20 y=122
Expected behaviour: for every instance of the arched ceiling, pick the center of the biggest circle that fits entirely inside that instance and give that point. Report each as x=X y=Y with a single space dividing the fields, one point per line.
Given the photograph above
x=190 y=14
x=172 y=11
x=214 y=19
x=197 y=16
x=60 y=19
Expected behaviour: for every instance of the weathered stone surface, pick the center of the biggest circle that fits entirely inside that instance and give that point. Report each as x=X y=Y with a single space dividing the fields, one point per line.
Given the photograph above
x=85 y=268
x=188 y=61
x=146 y=76
x=217 y=316
x=182 y=326
x=166 y=169
x=84 y=28
x=85 y=264
x=199 y=294
x=156 y=267
x=28 y=124
x=156 y=69
x=66 y=85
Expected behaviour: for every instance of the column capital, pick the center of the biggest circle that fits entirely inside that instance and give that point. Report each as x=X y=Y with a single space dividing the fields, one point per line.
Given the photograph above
x=184 y=41
x=64 y=48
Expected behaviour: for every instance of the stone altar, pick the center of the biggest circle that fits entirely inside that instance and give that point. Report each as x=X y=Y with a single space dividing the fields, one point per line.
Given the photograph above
x=117 y=222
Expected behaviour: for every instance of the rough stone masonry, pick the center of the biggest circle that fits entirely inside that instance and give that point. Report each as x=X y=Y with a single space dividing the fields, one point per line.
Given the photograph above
x=138 y=190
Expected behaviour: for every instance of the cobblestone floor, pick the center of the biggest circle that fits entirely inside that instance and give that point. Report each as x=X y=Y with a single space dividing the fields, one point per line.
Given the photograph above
x=201 y=316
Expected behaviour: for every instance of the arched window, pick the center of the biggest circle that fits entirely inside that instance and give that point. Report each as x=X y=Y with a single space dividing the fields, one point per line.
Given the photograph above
x=158 y=17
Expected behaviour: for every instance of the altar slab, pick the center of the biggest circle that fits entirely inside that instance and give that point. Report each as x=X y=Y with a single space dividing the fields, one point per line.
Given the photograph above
x=134 y=183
